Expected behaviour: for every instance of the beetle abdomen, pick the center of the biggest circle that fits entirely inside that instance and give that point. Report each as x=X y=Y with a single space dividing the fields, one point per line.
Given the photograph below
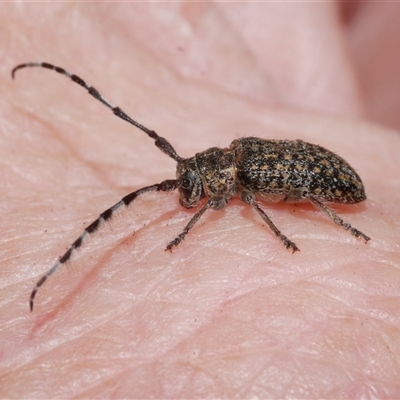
x=284 y=167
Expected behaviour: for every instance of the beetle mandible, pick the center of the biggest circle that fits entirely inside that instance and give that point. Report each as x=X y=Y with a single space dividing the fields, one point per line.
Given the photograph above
x=274 y=170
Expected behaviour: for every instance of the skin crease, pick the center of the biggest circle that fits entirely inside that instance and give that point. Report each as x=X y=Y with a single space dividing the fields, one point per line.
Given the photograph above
x=230 y=313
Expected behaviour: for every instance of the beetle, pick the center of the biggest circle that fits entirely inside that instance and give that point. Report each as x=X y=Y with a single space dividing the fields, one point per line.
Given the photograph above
x=274 y=170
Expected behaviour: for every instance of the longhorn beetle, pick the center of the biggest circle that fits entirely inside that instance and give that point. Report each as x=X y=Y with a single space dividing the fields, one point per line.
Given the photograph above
x=275 y=170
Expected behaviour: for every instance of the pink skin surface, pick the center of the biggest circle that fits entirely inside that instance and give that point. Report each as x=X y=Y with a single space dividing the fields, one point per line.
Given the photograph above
x=230 y=313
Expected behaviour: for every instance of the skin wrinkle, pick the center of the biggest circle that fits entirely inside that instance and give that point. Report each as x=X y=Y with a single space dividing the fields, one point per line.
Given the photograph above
x=157 y=350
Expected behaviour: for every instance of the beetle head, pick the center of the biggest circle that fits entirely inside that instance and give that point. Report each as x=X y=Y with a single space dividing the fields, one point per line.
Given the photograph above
x=190 y=183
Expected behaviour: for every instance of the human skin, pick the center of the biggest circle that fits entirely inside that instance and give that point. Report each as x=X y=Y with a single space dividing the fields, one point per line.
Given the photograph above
x=229 y=313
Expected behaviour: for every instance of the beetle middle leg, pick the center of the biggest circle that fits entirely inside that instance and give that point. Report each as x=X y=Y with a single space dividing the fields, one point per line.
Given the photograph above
x=249 y=198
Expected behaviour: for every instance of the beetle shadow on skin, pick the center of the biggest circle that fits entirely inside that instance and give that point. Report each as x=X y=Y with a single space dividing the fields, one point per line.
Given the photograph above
x=58 y=305
x=309 y=211
x=274 y=210
x=304 y=211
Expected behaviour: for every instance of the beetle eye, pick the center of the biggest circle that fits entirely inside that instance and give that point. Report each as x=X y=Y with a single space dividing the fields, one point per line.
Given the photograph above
x=186 y=183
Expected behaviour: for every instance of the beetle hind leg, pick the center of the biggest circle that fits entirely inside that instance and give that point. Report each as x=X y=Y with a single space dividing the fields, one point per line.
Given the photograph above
x=337 y=220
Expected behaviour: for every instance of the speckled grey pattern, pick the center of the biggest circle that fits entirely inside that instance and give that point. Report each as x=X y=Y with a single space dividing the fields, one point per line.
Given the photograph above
x=273 y=170
x=295 y=170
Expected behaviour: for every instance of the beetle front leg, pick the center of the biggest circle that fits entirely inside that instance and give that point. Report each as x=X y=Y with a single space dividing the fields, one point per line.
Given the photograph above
x=190 y=225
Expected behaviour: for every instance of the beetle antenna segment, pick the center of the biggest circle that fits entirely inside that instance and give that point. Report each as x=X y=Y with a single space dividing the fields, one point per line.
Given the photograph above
x=159 y=141
x=165 y=186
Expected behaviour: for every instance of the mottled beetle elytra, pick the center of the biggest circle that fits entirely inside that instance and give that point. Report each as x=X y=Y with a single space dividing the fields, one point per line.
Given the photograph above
x=273 y=170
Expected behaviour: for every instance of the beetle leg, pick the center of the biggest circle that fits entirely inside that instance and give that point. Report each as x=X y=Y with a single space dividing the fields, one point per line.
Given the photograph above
x=249 y=198
x=337 y=220
x=190 y=225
